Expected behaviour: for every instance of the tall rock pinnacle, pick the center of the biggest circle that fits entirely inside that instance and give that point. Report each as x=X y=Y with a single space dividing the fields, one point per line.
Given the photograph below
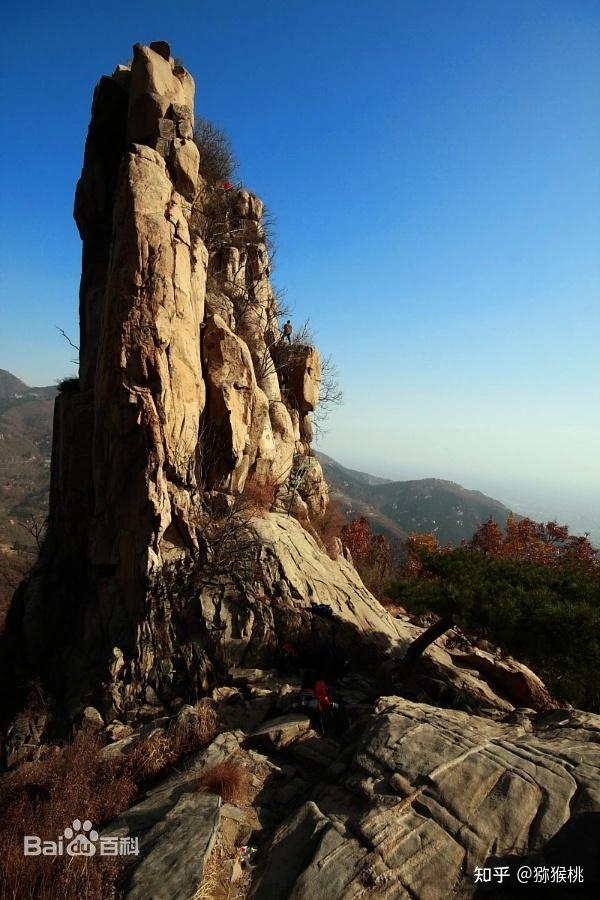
x=187 y=398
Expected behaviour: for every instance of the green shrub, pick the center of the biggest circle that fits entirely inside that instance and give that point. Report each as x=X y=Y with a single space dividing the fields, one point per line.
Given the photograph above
x=546 y=616
x=69 y=385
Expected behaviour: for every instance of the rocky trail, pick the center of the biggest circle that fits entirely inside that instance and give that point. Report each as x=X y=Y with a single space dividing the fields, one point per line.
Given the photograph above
x=288 y=763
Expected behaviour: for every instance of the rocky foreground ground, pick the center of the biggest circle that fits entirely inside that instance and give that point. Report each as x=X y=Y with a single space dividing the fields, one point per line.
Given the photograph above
x=405 y=803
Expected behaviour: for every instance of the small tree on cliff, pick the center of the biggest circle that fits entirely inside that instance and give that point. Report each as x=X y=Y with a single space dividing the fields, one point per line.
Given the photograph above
x=217 y=159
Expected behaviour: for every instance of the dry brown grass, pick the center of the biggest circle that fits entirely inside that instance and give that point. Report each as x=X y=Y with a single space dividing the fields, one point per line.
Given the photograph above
x=216 y=881
x=42 y=798
x=230 y=780
x=217 y=160
x=241 y=888
x=150 y=757
x=188 y=733
x=258 y=498
x=45 y=796
x=207 y=889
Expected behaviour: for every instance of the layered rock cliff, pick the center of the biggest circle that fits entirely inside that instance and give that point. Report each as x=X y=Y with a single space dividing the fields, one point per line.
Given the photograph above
x=187 y=400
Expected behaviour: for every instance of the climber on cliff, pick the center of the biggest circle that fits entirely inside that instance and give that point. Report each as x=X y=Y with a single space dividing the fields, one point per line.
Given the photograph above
x=287 y=332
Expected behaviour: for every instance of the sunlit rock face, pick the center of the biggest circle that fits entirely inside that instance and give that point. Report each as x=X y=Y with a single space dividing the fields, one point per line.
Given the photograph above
x=186 y=391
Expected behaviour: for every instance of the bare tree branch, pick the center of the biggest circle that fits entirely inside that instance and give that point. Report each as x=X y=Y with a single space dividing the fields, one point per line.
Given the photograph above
x=35 y=527
x=67 y=338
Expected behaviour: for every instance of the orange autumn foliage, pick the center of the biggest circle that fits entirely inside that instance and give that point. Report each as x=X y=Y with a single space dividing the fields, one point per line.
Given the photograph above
x=364 y=546
x=548 y=544
x=370 y=554
x=415 y=544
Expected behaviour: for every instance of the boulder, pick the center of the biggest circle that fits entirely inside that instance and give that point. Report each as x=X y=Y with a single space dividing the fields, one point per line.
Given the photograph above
x=91 y=719
x=251 y=676
x=248 y=206
x=317 y=751
x=246 y=714
x=292 y=556
x=313 y=489
x=282 y=731
x=512 y=678
x=184 y=161
x=176 y=833
x=303 y=377
x=116 y=731
x=306 y=428
x=23 y=737
x=154 y=87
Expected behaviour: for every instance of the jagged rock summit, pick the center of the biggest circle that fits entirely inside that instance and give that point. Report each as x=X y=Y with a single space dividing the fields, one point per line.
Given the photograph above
x=187 y=399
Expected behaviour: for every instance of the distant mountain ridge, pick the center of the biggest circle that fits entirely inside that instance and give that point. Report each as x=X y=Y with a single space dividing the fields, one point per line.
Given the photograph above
x=13 y=391
x=25 y=446
x=10 y=385
x=395 y=508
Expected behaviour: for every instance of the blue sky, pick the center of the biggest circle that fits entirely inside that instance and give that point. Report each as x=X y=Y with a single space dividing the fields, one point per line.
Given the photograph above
x=433 y=171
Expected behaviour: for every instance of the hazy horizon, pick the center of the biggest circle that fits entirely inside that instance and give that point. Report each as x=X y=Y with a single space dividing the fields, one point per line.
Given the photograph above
x=580 y=509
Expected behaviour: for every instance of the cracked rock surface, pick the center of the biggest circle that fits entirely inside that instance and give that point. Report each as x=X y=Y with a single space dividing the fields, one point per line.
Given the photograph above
x=443 y=792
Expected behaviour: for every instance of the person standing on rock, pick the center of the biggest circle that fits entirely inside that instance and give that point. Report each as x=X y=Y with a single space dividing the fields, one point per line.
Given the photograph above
x=287 y=331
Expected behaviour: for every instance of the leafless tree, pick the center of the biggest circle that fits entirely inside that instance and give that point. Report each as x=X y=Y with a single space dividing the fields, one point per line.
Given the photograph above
x=70 y=342
x=231 y=545
x=217 y=160
x=330 y=395
x=36 y=527
x=67 y=338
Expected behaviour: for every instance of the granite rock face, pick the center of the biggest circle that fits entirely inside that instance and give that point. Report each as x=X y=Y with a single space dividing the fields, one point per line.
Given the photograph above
x=509 y=676
x=176 y=826
x=187 y=399
x=237 y=408
x=443 y=792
